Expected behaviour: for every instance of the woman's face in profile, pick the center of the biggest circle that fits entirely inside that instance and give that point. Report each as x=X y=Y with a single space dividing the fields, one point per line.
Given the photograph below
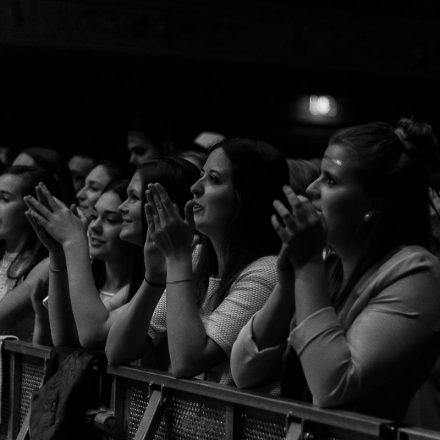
x=105 y=227
x=132 y=211
x=94 y=184
x=339 y=196
x=215 y=198
x=13 y=222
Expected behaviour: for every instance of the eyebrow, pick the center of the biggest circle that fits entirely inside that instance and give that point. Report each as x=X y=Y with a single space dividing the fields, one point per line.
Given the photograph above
x=93 y=182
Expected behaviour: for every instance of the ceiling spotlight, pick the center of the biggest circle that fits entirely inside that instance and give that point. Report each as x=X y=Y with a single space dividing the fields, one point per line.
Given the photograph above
x=323 y=105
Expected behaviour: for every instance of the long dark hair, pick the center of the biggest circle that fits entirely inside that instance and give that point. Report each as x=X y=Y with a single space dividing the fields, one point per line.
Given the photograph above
x=32 y=251
x=119 y=187
x=392 y=169
x=259 y=172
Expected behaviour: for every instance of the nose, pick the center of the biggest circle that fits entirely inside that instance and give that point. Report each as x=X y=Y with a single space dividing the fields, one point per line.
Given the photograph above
x=133 y=159
x=197 y=188
x=95 y=225
x=81 y=194
x=312 y=191
x=122 y=207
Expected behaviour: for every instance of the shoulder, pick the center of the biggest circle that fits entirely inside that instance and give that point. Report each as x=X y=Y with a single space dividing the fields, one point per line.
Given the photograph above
x=410 y=275
x=40 y=272
x=406 y=261
x=263 y=269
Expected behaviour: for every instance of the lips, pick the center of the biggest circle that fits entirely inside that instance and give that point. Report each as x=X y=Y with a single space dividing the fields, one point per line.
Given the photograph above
x=96 y=241
x=197 y=207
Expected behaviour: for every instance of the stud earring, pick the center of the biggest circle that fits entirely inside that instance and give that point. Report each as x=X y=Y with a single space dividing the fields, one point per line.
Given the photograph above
x=368 y=216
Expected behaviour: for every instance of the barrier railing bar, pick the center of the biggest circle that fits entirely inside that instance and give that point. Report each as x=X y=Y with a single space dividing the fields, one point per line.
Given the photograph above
x=418 y=434
x=294 y=430
x=24 y=430
x=14 y=393
x=231 y=422
x=151 y=418
x=340 y=419
x=117 y=403
x=233 y=399
x=27 y=348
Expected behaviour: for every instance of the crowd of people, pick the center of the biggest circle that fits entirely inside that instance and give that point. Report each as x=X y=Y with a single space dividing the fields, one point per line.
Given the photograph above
x=317 y=280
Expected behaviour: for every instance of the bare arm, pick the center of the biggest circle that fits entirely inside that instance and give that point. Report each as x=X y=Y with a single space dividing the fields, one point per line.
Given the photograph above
x=17 y=303
x=127 y=338
x=81 y=316
x=62 y=323
x=192 y=351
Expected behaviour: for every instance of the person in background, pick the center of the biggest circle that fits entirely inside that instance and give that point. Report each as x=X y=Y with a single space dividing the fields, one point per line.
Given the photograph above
x=23 y=262
x=53 y=162
x=104 y=173
x=80 y=166
x=6 y=157
x=301 y=171
x=361 y=325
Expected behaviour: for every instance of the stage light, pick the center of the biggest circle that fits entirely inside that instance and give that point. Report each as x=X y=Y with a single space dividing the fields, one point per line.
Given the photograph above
x=324 y=105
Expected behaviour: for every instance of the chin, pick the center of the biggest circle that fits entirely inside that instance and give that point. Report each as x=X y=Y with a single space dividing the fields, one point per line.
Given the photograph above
x=131 y=238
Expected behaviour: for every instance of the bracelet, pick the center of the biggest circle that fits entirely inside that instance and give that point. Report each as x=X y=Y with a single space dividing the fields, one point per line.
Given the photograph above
x=180 y=281
x=57 y=269
x=150 y=283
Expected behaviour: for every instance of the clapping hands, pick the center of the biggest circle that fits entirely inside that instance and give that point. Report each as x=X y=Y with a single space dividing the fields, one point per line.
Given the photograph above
x=302 y=230
x=54 y=223
x=171 y=233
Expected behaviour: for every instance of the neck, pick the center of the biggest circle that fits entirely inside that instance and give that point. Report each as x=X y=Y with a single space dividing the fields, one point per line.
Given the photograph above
x=117 y=274
x=16 y=245
x=350 y=257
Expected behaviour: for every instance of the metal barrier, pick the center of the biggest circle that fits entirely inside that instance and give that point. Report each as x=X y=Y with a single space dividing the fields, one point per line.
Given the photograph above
x=149 y=405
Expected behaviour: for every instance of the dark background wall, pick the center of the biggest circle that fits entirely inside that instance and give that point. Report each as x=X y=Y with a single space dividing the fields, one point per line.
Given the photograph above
x=72 y=73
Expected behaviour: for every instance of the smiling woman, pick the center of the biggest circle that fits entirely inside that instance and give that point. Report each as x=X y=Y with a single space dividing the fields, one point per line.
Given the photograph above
x=83 y=302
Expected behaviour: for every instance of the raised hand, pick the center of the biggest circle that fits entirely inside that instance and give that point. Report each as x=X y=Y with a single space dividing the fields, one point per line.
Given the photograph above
x=154 y=259
x=54 y=217
x=171 y=233
x=302 y=230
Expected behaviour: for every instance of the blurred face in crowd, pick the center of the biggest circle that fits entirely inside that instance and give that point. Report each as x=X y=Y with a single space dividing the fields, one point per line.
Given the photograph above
x=339 y=197
x=24 y=159
x=214 y=195
x=14 y=227
x=105 y=227
x=132 y=211
x=94 y=184
x=79 y=167
x=140 y=148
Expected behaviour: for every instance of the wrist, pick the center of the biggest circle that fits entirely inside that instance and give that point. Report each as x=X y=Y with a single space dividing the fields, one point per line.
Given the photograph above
x=74 y=244
x=155 y=282
x=180 y=266
x=56 y=261
x=312 y=260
